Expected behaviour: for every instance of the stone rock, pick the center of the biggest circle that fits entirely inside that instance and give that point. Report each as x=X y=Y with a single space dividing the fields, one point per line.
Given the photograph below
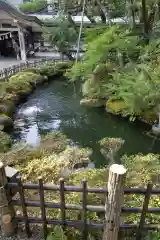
x=156 y=129
x=92 y=102
x=5 y=121
x=7 y=108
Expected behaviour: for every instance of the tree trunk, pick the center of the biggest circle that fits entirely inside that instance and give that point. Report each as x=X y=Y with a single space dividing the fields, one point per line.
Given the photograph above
x=120 y=59
x=151 y=18
x=159 y=9
x=145 y=21
x=69 y=55
x=101 y=12
x=133 y=16
x=70 y=20
x=91 y=19
x=103 y=16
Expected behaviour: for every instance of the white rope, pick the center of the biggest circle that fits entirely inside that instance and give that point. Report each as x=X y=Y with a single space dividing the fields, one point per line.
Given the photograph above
x=4 y=34
x=80 y=31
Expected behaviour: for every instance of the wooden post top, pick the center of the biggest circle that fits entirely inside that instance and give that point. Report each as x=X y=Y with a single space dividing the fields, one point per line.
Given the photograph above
x=118 y=169
x=10 y=172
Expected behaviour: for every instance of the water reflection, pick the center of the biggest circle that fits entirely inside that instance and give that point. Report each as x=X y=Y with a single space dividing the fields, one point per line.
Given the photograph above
x=32 y=138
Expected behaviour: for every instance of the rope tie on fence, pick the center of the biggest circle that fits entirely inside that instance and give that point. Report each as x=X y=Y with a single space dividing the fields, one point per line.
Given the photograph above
x=7 y=212
x=3 y=200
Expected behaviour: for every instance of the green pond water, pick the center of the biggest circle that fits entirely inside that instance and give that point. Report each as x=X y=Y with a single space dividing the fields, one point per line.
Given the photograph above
x=55 y=107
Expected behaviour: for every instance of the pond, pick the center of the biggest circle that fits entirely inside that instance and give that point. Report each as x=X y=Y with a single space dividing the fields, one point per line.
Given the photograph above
x=56 y=107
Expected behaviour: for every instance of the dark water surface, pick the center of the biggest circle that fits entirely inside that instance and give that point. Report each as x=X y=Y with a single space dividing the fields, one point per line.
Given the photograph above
x=55 y=107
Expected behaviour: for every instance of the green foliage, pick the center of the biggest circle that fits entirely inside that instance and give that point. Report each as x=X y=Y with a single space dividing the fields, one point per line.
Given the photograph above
x=112 y=144
x=104 y=49
x=58 y=234
x=64 y=36
x=19 y=84
x=141 y=170
x=19 y=154
x=117 y=66
x=153 y=236
x=5 y=141
x=53 y=69
x=33 y=6
x=110 y=147
x=92 y=33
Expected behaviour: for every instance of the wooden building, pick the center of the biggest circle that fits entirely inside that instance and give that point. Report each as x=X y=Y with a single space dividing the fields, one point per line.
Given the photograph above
x=17 y=31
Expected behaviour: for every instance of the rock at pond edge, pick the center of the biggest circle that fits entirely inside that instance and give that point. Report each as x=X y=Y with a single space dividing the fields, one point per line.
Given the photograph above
x=6 y=121
x=92 y=102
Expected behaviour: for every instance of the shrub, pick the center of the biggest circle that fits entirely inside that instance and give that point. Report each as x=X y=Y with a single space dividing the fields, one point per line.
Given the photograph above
x=34 y=6
x=21 y=153
x=54 y=69
x=32 y=70
x=5 y=141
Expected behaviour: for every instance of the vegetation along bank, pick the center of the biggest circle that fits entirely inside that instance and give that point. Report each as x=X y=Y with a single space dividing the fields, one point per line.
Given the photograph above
x=17 y=88
x=119 y=71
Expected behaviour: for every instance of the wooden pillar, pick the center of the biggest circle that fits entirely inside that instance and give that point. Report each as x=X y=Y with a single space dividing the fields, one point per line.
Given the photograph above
x=7 y=213
x=114 y=201
x=22 y=43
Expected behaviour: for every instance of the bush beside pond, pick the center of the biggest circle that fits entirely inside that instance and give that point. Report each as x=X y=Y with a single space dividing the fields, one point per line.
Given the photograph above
x=53 y=69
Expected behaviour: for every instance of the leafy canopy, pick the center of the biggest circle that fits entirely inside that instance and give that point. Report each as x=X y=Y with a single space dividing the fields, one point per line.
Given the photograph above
x=34 y=6
x=64 y=36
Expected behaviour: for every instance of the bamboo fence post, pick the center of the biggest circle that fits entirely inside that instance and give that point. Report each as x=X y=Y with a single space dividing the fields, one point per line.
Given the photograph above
x=144 y=212
x=114 y=201
x=8 y=224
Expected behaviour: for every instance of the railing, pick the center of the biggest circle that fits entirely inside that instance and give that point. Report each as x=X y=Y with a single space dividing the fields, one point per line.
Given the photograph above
x=13 y=69
x=113 y=208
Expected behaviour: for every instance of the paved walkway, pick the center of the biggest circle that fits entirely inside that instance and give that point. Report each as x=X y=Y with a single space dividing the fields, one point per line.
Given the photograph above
x=8 y=62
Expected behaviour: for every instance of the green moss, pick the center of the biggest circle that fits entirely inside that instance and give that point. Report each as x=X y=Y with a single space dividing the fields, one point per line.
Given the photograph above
x=5 y=141
x=20 y=84
x=117 y=107
x=149 y=116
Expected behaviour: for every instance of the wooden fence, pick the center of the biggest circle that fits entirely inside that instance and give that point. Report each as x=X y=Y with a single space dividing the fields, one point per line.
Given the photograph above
x=113 y=208
x=13 y=69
